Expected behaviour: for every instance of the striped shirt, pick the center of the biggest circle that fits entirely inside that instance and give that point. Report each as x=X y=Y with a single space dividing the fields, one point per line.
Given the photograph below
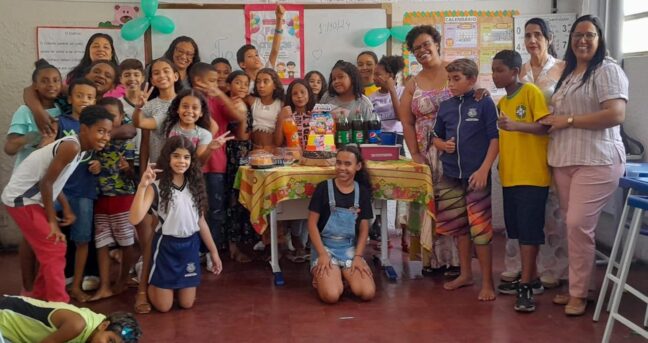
x=573 y=146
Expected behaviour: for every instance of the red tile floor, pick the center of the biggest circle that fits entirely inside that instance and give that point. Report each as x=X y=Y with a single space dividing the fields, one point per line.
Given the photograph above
x=243 y=305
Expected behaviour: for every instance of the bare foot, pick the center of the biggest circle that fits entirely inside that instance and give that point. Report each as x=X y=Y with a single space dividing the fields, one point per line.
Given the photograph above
x=102 y=294
x=461 y=281
x=487 y=293
x=116 y=255
x=142 y=306
x=79 y=295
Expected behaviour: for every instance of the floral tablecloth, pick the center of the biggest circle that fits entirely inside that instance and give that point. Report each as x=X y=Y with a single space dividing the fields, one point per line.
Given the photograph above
x=262 y=189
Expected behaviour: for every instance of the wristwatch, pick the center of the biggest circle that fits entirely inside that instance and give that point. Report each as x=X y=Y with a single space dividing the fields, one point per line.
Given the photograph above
x=570 y=121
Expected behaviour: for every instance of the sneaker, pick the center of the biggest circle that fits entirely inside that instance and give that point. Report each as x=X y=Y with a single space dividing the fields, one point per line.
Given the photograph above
x=90 y=283
x=510 y=276
x=512 y=287
x=524 y=302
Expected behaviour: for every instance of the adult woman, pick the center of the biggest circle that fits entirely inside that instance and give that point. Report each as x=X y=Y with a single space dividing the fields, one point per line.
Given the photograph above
x=183 y=51
x=585 y=150
x=543 y=70
x=418 y=109
x=366 y=62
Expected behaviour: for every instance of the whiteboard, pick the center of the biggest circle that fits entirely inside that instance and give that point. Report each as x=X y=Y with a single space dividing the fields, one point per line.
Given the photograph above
x=63 y=47
x=559 y=23
x=330 y=34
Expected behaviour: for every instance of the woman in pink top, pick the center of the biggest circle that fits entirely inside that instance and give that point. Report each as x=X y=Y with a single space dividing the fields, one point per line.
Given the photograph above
x=585 y=150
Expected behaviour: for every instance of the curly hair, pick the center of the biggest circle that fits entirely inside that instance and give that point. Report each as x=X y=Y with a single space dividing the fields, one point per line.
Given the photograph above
x=362 y=175
x=193 y=175
x=352 y=71
x=173 y=117
x=311 y=97
x=125 y=325
x=420 y=30
x=392 y=64
x=322 y=78
x=278 y=92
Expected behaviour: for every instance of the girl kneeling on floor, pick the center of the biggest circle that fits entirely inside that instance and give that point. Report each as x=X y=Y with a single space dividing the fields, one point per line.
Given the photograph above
x=179 y=201
x=338 y=225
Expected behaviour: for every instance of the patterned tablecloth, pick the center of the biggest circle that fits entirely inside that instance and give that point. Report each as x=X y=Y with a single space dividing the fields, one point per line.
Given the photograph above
x=262 y=189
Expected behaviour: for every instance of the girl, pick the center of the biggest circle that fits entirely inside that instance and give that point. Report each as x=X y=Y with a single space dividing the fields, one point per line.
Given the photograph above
x=266 y=103
x=179 y=201
x=317 y=83
x=338 y=225
x=386 y=100
x=345 y=92
x=183 y=51
x=367 y=61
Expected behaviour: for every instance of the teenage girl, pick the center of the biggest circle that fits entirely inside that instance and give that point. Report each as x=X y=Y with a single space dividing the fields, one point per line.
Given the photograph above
x=338 y=225
x=317 y=82
x=367 y=61
x=179 y=201
x=266 y=102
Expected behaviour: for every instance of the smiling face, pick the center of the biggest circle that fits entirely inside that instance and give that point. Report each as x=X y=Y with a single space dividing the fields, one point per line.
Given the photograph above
x=366 y=65
x=162 y=75
x=584 y=41
x=240 y=86
x=103 y=76
x=81 y=97
x=535 y=42
x=189 y=111
x=381 y=74
x=346 y=166
x=131 y=79
x=222 y=70
x=180 y=161
x=183 y=55
x=97 y=135
x=425 y=49
x=264 y=85
x=341 y=81
x=315 y=83
x=299 y=95
x=100 y=49
x=48 y=83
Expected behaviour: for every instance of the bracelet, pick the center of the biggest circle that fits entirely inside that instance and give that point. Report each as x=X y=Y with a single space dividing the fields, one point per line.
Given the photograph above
x=278 y=31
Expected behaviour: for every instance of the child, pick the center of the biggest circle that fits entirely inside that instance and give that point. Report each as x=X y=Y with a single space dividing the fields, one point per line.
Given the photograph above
x=338 y=226
x=132 y=78
x=345 y=92
x=223 y=69
x=38 y=180
x=523 y=170
x=317 y=83
x=25 y=319
x=111 y=208
x=266 y=102
x=300 y=101
x=179 y=201
x=386 y=100
x=367 y=61
x=466 y=132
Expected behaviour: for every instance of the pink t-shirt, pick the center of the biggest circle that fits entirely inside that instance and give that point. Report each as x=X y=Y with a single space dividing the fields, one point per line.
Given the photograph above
x=217 y=163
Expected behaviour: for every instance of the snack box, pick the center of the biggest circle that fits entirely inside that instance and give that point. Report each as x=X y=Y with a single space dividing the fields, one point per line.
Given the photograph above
x=377 y=152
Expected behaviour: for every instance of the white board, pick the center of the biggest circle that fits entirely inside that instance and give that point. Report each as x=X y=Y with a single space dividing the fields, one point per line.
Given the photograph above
x=330 y=35
x=559 y=23
x=218 y=32
x=63 y=47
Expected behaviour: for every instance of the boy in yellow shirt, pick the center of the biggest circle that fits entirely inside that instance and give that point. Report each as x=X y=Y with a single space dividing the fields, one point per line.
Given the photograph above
x=523 y=168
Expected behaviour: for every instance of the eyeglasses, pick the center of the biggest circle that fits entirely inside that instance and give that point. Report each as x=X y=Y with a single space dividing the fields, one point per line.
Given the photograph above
x=189 y=54
x=589 y=36
x=423 y=45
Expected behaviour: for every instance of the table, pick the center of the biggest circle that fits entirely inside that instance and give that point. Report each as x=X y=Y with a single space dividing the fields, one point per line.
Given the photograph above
x=262 y=192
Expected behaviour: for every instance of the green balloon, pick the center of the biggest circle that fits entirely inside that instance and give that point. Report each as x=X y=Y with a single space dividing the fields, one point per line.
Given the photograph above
x=162 y=24
x=135 y=28
x=149 y=7
x=376 y=37
x=400 y=32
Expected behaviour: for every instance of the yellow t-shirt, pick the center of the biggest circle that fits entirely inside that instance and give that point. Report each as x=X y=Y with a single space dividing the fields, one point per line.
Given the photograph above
x=523 y=156
x=372 y=88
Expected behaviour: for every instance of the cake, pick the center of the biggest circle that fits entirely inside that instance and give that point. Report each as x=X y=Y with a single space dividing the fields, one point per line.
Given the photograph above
x=260 y=159
x=321 y=139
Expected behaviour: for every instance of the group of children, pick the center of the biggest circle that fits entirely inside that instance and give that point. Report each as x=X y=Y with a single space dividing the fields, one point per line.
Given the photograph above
x=155 y=166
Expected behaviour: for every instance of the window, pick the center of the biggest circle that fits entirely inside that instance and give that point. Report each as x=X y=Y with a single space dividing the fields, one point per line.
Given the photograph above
x=636 y=21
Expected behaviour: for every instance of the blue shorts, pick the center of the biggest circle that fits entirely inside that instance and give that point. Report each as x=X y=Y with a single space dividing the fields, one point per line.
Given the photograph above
x=524 y=213
x=176 y=262
x=81 y=229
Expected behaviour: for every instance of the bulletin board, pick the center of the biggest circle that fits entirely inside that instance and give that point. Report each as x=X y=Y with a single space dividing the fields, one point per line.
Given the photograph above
x=477 y=35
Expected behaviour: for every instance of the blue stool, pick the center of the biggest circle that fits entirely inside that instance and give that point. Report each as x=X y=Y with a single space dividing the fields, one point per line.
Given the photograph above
x=634 y=185
x=640 y=204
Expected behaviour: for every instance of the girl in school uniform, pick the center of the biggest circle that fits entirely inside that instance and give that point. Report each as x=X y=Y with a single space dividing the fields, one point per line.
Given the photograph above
x=179 y=201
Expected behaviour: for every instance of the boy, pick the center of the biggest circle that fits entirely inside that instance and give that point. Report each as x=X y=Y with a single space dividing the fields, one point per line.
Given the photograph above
x=466 y=132
x=248 y=58
x=523 y=170
x=132 y=77
x=223 y=69
x=204 y=78
x=117 y=189
x=25 y=319
x=29 y=198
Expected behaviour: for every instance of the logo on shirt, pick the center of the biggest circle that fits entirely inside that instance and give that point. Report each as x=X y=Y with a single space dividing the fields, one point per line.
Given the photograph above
x=472 y=115
x=520 y=112
x=191 y=270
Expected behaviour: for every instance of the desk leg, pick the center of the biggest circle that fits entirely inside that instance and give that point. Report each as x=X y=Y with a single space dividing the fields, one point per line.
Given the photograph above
x=384 y=246
x=274 y=251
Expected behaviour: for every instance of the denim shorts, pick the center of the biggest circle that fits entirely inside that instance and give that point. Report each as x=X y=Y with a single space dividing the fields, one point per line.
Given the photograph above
x=81 y=229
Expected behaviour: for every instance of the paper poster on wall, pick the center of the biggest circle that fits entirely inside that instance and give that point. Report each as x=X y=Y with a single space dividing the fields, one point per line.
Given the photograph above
x=559 y=23
x=460 y=32
x=260 y=31
x=63 y=47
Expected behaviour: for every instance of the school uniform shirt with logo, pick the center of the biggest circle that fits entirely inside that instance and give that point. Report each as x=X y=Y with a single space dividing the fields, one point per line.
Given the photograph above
x=22 y=123
x=23 y=187
x=473 y=124
x=523 y=156
x=180 y=219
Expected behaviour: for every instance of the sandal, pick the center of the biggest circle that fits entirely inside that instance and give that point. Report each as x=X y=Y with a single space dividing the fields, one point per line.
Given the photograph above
x=296 y=258
x=142 y=308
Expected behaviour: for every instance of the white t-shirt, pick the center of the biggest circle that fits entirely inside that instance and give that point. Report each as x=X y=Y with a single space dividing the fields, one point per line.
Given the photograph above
x=137 y=140
x=23 y=187
x=181 y=218
x=383 y=106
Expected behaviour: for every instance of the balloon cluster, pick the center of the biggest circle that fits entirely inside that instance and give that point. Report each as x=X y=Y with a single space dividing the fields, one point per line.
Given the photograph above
x=376 y=37
x=135 y=28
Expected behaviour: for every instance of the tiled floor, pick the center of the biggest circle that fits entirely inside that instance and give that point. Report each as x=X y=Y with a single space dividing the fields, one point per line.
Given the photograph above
x=242 y=305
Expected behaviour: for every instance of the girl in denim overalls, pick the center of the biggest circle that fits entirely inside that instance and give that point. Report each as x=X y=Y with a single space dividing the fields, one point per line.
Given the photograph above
x=338 y=227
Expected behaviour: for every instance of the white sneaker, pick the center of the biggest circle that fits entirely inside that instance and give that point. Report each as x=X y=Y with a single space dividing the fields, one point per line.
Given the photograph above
x=90 y=283
x=509 y=276
x=210 y=264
